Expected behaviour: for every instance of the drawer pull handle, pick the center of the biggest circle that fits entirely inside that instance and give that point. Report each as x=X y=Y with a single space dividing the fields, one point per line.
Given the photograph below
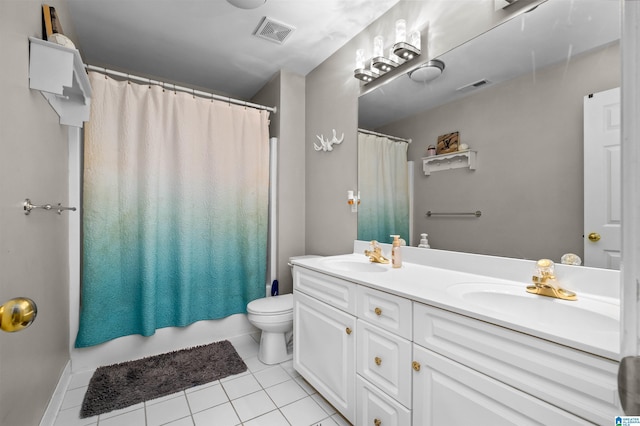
x=348 y=330
x=416 y=365
x=378 y=311
x=378 y=360
x=377 y=422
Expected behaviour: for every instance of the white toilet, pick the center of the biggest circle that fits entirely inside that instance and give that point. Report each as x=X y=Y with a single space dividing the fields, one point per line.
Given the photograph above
x=274 y=316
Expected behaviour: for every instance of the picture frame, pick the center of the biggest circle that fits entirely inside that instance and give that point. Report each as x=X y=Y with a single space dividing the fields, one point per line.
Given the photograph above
x=50 y=23
x=447 y=143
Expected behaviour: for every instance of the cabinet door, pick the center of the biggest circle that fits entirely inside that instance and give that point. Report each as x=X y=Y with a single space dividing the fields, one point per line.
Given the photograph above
x=375 y=408
x=324 y=352
x=448 y=393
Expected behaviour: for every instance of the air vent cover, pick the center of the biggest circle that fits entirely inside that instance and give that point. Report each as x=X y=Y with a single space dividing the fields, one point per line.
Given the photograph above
x=474 y=85
x=272 y=30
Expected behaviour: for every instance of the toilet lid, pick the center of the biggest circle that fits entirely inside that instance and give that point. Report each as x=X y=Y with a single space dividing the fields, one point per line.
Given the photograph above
x=271 y=305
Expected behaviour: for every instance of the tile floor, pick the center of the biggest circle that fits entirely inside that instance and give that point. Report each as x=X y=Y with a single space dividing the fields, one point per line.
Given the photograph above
x=264 y=395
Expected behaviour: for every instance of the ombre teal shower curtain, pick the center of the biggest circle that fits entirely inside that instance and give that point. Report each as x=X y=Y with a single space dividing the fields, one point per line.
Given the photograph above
x=175 y=205
x=383 y=183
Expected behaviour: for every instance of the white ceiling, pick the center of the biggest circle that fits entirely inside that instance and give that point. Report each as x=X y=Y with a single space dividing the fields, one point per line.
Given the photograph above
x=210 y=43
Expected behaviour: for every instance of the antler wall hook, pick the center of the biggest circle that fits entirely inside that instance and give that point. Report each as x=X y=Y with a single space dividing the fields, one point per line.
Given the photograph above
x=326 y=144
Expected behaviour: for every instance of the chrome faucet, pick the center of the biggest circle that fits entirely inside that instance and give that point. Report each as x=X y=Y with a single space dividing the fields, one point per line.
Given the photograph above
x=375 y=254
x=546 y=284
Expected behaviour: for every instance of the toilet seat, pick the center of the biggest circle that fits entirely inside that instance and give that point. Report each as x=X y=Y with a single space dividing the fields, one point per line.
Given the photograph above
x=271 y=305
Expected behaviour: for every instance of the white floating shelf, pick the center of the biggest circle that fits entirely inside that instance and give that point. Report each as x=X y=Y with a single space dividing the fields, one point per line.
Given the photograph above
x=58 y=73
x=454 y=160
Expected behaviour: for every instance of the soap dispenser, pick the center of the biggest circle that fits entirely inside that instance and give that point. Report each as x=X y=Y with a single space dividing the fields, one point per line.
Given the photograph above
x=424 y=243
x=396 y=255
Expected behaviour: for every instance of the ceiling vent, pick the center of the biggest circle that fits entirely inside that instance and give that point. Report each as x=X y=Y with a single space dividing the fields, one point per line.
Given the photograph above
x=474 y=85
x=272 y=30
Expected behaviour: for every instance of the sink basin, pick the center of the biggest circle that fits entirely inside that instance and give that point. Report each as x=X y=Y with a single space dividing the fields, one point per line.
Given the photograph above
x=512 y=301
x=354 y=265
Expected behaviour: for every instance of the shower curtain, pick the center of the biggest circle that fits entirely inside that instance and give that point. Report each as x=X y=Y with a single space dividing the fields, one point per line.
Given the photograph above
x=175 y=205
x=383 y=183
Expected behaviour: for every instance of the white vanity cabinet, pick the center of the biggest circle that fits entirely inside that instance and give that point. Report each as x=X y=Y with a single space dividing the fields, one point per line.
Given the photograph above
x=325 y=337
x=390 y=359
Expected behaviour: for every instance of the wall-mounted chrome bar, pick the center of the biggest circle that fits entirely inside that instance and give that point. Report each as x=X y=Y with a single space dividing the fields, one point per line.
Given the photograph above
x=28 y=207
x=477 y=213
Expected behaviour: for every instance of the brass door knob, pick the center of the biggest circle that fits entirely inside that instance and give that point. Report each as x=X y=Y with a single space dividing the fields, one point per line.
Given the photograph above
x=348 y=330
x=378 y=311
x=378 y=360
x=594 y=236
x=416 y=365
x=377 y=422
x=17 y=314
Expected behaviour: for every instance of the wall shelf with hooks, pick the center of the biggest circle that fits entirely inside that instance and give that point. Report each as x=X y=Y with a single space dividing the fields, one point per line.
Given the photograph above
x=454 y=160
x=58 y=73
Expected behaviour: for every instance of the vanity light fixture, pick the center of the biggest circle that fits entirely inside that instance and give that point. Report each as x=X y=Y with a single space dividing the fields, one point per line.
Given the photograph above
x=403 y=48
x=361 y=72
x=378 y=61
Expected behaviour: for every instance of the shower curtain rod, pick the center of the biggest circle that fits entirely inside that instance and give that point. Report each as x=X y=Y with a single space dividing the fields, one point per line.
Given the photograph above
x=395 y=138
x=180 y=88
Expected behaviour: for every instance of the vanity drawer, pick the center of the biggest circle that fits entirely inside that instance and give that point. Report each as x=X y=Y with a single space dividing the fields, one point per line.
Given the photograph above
x=581 y=383
x=338 y=293
x=376 y=408
x=384 y=359
x=385 y=310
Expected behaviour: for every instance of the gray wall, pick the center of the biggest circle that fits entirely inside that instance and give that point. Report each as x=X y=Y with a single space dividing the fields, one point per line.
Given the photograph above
x=286 y=92
x=332 y=102
x=528 y=133
x=33 y=249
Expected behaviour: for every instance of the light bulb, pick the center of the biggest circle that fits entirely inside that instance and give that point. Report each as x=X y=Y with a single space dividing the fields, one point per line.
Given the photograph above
x=401 y=31
x=360 y=59
x=414 y=39
x=378 y=46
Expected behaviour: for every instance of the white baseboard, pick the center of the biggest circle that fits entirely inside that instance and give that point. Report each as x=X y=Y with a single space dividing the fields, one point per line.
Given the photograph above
x=49 y=417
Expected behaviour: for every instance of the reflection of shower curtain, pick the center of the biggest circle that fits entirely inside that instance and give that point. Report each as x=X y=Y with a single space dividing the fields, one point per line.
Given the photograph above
x=175 y=204
x=384 y=188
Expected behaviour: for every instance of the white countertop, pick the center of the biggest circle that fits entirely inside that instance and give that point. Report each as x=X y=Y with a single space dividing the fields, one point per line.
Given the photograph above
x=568 y=323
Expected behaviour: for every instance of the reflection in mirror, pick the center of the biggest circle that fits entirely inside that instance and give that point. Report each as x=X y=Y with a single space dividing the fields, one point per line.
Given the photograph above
x=525 y=123
x=383 y=183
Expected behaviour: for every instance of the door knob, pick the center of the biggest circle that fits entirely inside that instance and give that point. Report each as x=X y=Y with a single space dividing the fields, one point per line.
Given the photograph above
x=378 y=360
x=378 y=311
x=416 y=365
x=17 y=314
x=348 y=330
x=594 y=236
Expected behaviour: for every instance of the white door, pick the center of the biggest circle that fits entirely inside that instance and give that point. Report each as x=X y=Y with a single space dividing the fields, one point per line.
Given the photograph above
x=602 y=180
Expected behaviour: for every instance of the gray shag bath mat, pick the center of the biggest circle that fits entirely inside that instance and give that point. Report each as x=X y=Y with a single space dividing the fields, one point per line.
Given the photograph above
x=122 y=385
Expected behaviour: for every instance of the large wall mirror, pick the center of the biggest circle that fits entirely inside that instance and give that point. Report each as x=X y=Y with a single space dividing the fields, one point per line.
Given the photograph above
x=526 y=123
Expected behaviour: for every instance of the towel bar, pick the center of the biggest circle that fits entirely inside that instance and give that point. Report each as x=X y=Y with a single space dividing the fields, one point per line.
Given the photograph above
x=28 y=207
x=477 y=213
